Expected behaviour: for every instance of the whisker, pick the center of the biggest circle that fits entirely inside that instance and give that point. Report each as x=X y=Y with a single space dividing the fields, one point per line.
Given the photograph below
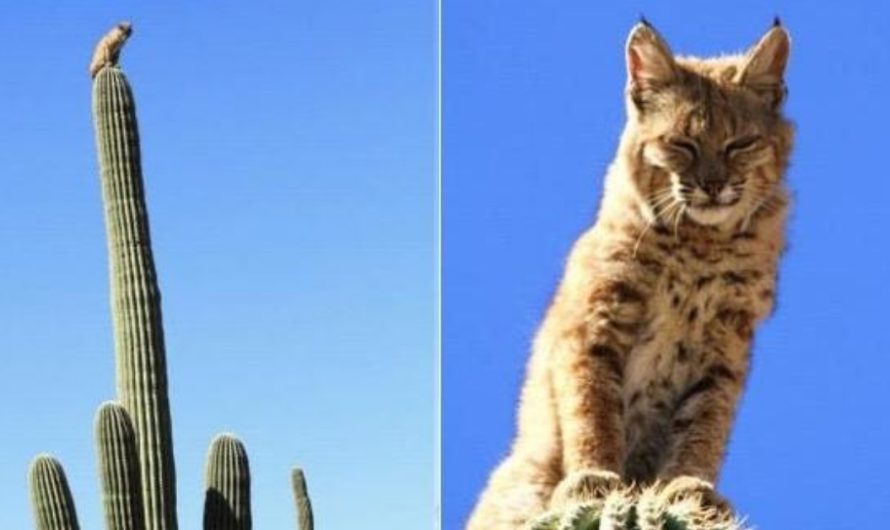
x=640 y=238
x=768 y=195
x=680 y=211
x=658 y=199
x=666 y=212
x=662 y=202
x=659 y=195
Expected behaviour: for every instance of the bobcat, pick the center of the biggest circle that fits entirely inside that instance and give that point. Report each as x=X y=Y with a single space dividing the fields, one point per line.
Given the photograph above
x=642 y=356
x=109 y=48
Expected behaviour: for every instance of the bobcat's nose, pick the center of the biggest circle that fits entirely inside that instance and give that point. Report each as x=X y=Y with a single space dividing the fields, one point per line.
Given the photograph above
x=712 y=181
x=712 y=188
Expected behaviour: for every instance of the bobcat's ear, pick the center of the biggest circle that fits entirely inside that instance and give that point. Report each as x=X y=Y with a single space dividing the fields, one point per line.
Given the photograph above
x=763 y=69
x=650 y=63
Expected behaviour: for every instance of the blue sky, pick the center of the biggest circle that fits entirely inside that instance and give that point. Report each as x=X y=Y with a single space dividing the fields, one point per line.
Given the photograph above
x=533 y=109
x=289 y=156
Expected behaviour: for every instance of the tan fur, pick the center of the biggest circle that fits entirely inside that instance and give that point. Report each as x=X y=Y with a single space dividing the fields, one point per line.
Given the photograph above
x=641 y=359
x=109 y=47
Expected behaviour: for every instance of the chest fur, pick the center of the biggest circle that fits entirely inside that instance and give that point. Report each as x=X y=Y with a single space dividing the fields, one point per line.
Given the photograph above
x=698 y=284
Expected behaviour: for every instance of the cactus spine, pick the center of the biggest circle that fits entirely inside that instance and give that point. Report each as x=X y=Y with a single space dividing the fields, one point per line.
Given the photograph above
x=227 y=485
x=136 y=300
x=119 y=469
x=50 y=495
x=301 y=499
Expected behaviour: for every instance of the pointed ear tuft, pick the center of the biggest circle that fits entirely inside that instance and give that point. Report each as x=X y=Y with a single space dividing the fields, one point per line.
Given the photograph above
x=763 y=69
x=650 y=63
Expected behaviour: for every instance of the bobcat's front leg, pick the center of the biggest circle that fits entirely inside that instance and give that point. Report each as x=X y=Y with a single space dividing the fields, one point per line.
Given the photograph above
x=704 y=412
x=587 y=366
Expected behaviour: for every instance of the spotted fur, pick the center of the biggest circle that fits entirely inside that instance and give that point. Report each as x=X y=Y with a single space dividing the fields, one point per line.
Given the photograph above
x=644 y=351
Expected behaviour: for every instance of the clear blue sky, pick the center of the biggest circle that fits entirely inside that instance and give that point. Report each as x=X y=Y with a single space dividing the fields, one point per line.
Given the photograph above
x=533 y=109
x=289 y=155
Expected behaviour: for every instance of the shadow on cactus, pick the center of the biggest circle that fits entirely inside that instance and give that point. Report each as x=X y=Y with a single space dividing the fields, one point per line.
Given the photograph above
x=227 y=485
x=133 y=435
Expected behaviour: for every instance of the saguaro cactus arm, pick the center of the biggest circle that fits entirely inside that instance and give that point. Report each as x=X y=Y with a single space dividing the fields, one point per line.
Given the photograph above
x=50 y=495
x=136 y=299
x=227 y=485
x=305 y=520
x=119 y=469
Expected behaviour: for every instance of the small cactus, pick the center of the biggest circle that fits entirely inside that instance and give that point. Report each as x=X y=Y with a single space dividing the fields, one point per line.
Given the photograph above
x=227 y=485
x=301 y=499
x=50 y=495
x=136 y=300
x=119 y=469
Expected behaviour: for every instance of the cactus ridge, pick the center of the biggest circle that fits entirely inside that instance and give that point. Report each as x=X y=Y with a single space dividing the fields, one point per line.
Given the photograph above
x=305 y=520
x=51 y=496
x=119 y=468
x=227 y=485
x=136 y=299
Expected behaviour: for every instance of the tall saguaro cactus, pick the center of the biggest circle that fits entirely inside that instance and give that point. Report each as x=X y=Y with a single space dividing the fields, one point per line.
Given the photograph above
x=50 y=495
x=136 y=299
x=133 y=435
x=119 y=469
x=227 y=485
x=301 y=499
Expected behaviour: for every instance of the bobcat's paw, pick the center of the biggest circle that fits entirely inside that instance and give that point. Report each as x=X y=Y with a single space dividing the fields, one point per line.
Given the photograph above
x=686 y=487
x=587 y=486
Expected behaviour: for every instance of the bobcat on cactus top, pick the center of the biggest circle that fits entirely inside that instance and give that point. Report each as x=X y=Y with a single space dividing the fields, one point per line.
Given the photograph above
x=637 y=368
x=108 y=50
